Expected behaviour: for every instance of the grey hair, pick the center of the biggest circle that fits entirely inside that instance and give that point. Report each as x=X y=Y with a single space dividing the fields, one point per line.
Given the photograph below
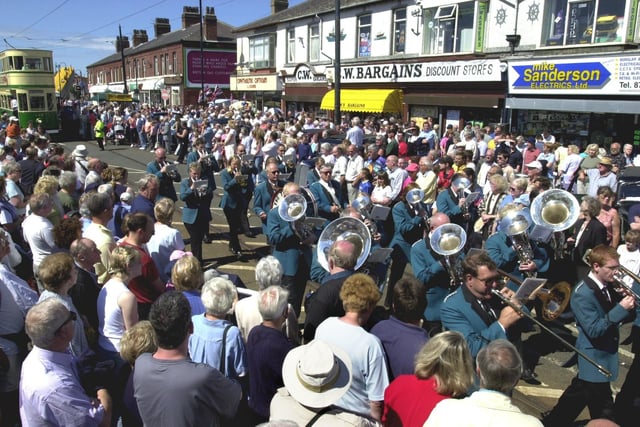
x=96 y=203
x=43 y=321
x=67 y=179
x=106 y=188
x=268 y=272
x=499 y=366
x=145 y=180
x=272 y=302
x=218 y=296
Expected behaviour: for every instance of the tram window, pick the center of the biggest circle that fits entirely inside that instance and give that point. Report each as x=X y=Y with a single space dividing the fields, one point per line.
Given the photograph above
x=18 y=62
x=22 y=102
x=34 y=63
x=50 y=102
x=37 y=101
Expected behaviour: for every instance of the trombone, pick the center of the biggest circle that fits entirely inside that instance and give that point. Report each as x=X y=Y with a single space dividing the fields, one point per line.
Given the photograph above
x=621 y=286
x=518 y=309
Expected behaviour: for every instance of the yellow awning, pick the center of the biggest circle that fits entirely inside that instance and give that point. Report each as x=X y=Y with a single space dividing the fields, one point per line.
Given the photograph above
x=365 y=100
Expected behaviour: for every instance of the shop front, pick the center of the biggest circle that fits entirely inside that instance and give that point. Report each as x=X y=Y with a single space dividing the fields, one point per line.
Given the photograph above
x=264 y=90
x=579 y=100
x=471 y=90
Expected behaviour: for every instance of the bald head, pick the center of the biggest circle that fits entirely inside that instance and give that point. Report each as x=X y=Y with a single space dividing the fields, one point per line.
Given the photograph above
x=342 y=256
x=437 y=220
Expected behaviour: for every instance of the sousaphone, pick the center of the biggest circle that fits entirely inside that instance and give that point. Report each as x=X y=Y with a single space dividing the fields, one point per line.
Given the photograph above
x=346 y=228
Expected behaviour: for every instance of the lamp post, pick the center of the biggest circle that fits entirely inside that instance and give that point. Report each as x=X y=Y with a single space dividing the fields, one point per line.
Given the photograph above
x=336 y=64
x=201 y=57
x=124 y=70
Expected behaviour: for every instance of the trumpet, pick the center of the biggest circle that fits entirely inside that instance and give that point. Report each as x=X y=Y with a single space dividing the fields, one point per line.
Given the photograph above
x=622 y=286
x=414 y=198
x=518 y=309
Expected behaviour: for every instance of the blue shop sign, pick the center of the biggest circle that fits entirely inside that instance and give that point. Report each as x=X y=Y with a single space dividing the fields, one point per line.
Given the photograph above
x=551 y=75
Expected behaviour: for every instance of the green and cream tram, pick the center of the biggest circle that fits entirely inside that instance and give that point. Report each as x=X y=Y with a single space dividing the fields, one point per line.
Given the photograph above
x=27 y=84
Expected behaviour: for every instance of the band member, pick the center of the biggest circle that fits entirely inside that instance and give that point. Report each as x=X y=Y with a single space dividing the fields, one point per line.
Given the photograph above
x=429 y=268
x=314 y=174
x=329 y=195
x=410 y=222
x=266 y=192
x=451 y=204
x=292 y=249
x=166 y=174
x=473 y=310
x=509 y=252
x=208 y=165
x=588 y=232
x=286 y=165
x=196 y=213
x=599 y=310
x=232 y=201
x=249 y=170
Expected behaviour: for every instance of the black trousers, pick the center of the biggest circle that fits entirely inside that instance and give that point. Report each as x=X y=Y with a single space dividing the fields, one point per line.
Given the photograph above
x=627 y=407
x=197 y=231
x=596 y=396
x=233 y=219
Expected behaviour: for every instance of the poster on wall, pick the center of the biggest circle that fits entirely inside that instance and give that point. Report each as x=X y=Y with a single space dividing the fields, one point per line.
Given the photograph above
x=365 y=44
x=218 y=67
x=453 y=119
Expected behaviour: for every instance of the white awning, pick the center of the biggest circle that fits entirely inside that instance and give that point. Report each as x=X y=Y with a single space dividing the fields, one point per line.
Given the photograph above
x=116 y=88
x=586 y=105
x=97 y=89
x=153 y=84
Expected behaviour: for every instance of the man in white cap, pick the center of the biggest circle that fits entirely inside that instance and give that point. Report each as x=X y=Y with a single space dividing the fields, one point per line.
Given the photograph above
x=79 y=155
x=315 y=376
x=534 y=169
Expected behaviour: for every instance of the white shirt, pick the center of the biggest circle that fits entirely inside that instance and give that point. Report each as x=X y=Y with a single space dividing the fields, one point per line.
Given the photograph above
x=164 y=241
x=339 y=168
x=111 y=320
x=397 y=177
x=354 y=165
x=38 y=232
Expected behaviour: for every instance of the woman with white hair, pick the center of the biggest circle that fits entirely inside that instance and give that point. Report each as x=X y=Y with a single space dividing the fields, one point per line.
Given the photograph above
x=268 y=273
x=216 y=341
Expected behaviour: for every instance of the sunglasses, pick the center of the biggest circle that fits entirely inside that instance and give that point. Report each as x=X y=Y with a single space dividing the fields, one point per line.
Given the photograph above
x=72 y=317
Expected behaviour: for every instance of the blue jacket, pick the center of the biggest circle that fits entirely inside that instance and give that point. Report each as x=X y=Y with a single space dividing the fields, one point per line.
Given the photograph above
x=428 y=268
x=447 y=203
x=195 y=205
x=207 y=168
x=312 y=176
x=409 y=228
x=166 y=181
x=461 y=312
x=286 y=244
x=325 y=201
x=501 y=251
x=598 y=322
x=232 y=197
x=262 y=200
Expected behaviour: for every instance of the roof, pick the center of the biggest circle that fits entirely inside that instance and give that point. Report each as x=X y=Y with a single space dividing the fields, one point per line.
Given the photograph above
x=308 y=8
x=190 y=34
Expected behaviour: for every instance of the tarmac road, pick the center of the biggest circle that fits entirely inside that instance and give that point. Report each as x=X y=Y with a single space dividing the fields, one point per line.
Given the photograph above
x=532 y=399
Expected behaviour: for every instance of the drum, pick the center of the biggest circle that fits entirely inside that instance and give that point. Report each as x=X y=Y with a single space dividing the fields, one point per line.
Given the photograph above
x=312 y=204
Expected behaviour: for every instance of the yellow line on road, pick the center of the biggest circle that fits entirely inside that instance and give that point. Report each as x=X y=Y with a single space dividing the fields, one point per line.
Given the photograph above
x=553 y=393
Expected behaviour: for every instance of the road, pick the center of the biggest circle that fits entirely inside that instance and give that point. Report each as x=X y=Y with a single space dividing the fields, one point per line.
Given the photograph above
x=532 y=399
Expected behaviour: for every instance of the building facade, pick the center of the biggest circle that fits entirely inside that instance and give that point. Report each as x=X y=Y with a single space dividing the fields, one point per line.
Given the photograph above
x=531 y=63
x=167 y=69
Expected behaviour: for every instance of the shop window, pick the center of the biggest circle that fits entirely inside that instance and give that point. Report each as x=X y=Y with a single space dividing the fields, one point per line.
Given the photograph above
x=399 y=30
x=364 y=39
x=262 y=51
x=291 y=46
x=314 y=43
x=449 y=28
x=571 y=22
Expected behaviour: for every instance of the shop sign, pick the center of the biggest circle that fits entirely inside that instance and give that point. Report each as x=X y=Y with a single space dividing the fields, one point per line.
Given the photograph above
x=424 y=72
x=618 y=75
x=304 y=74
x=266 y=83
x=215 y=66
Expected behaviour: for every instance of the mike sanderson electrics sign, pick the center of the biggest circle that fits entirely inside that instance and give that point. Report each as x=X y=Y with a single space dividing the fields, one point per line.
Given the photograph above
x=615 y=75
x=426 y=72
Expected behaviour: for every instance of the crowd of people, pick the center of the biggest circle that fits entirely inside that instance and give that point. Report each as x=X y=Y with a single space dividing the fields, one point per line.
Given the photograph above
x=105 y=318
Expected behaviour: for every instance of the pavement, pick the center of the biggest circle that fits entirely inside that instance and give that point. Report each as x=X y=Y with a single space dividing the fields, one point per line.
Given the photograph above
x=531 y=398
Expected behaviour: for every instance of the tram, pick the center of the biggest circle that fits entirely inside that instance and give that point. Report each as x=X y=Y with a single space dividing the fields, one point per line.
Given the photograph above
x=27 y=86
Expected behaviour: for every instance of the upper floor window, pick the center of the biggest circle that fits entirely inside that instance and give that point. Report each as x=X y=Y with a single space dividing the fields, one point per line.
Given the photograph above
x=291 y=46
x=155 y=65
x=449 y=28
x=570 y=22
x=174 y=62
x=262 y=51
x=314 y=42
x=364 y=36
x=399 y=30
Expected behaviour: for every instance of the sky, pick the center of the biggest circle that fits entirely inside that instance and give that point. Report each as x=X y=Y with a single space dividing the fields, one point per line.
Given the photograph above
x=81 y=32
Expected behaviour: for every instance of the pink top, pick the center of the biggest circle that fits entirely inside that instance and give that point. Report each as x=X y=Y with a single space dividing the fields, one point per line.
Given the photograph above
x=606 y=217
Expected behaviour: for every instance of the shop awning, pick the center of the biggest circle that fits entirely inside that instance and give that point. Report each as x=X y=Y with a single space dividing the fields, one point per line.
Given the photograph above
x=575 y=105
x=153 y=84
x=97 y=89
x=365 y=100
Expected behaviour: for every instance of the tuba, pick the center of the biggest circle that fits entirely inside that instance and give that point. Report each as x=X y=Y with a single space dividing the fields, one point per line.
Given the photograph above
x=458 y=185
x=448 y=240
x=346 y=228
x=363 y=205
x=414 y=198
x=292 y=209
x=515 y=222
x=557 y=210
